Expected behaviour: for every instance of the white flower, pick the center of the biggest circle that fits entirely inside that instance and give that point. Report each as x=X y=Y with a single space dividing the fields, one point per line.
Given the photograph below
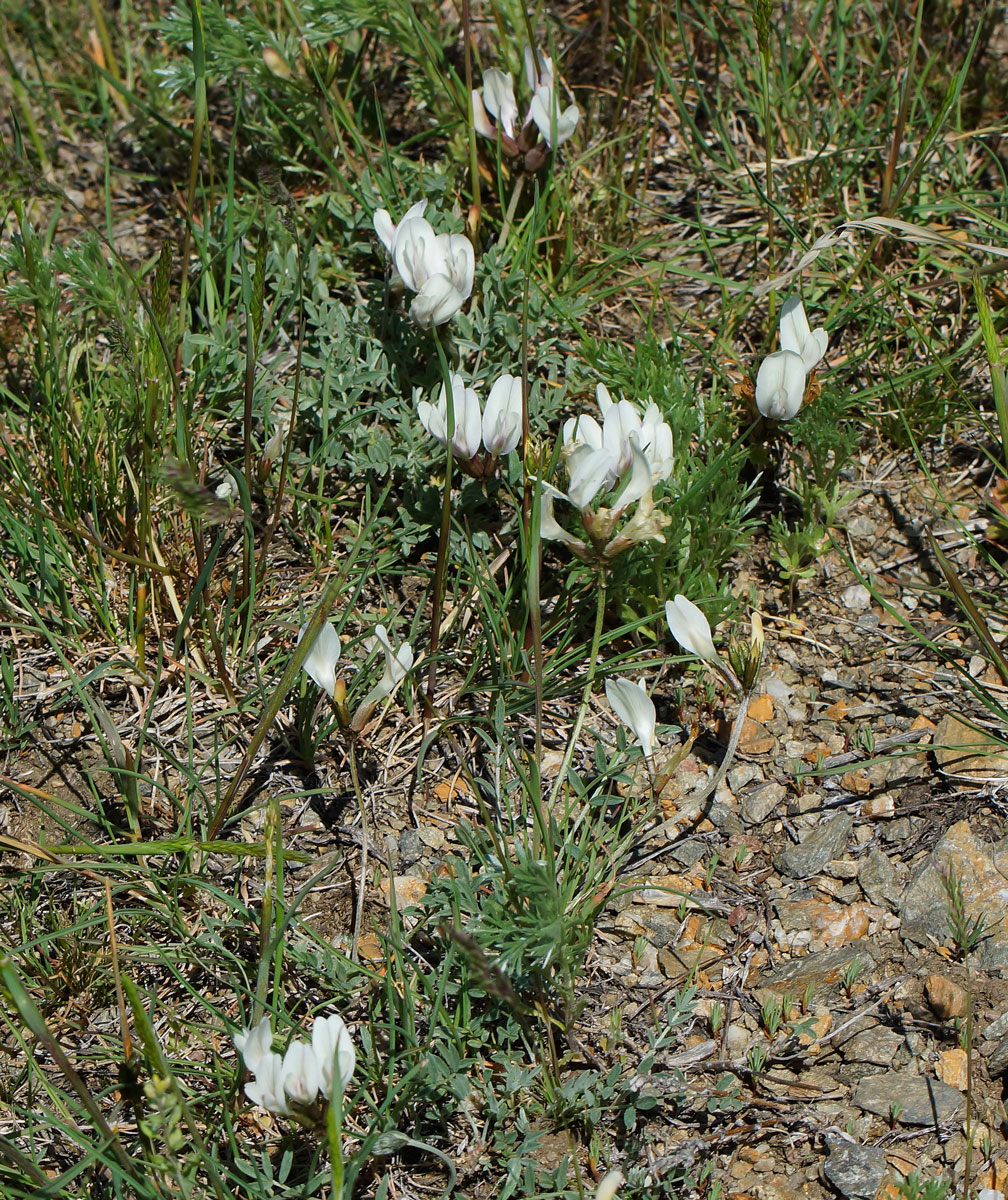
x=320 y=663
x=301 y=1075
x=254 y=1044
x=690 y=628
x=621 y=425
x=639 y=481
x=780 y=385
x=497 y=100
x=796 y=336
x=439 y=267
x=588 y=471
x=335 y=1053
x=388 y=230
x=550 y=529
x=227 y=489
x=555 y=126
x=397 y=665
x=502 y=417
x=466 y=410
x=274 y=447
x=267 y=1089
x=499 y=427
x=634 y=707
x=656 y=442
x=610 y=1185
x=544 y=110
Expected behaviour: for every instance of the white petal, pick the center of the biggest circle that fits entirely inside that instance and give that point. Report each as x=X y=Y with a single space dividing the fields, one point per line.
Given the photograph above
x=466 y=411
x=254 y=1044
x=550 y=528
x=459 y=261
x=322 y=658
x=602 y=398
x=639 y=483
x=544 y=111
x=267 y=1090
x=502 y=417
x=433 y=420
x=384 y=226
x=415 y=252
x=335 y=1053
x=437 y=301
x=780 y=385
x=621 y=422
x=583 y=428
x=498 y=94
x=301 y=1073
x=588 y=470
x=634 y=707
x=796 y=336
x=656 y=442
x=481 y=122
x=397 y=664
x=690 y=628
x=538 y=68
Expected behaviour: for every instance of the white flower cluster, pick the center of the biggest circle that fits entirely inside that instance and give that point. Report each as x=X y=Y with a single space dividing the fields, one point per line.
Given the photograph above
x=438 y=267
x=780 y=381
x=498 y=427
x=627 y=451
x=496 y=99
x=326 y=1065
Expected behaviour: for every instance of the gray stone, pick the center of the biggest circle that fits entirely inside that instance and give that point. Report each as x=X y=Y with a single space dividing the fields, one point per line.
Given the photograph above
x=895 y=833
x=981 y=872
x=812 y=854
x=878 y=881
x=760 y=801
x=722 y=817
x=877 y=1046
x=410 y=847
x=996 y=1057
x=856 y=597
x=913 y=1099
x=855 y=1171
x=818 y=970
x=862 y=527
x=743 y=773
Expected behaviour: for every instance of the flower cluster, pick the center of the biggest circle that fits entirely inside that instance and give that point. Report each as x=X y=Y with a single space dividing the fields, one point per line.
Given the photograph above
x=545 y=127
x=628 y=452
x=498 y=427
x=780 y=381
x=324 y=655
x=295 y=1079
x=438 y=267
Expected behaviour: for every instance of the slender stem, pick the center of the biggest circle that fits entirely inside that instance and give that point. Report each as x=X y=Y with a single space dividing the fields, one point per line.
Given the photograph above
x=474 y=218
x=729 y=754
x=334 y=1132
x=443 y=538
x=769 y=140
x=358 y=915
x=585 y=695
x=512 y=206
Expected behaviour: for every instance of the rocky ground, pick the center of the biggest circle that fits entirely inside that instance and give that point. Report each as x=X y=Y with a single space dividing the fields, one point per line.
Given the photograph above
x=808 y=900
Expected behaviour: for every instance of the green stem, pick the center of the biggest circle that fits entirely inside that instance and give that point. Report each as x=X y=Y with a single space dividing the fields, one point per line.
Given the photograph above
x=443 y=537
x=358 y=915
x=334 y=1132
x=769 y=141
x=585 y=696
